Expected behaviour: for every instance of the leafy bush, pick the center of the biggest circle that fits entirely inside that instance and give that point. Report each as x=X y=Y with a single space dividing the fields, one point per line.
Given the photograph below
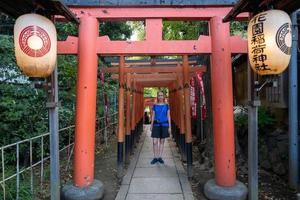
x=265 y=120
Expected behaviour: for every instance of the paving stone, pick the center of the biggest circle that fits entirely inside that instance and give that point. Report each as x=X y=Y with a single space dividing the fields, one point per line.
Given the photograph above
x=155 y=182
x=168 y=151
x=189 y=197
x=154 y=197
x=145 y=162
x=164 y=185
x=150 y=148
x=155 y=172
x=122 y=192
x=186 y=188
x=150 y=155
x=183 y=177
x=179 y=167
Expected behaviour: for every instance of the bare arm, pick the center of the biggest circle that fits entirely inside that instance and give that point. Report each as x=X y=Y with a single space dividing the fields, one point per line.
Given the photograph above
x=153 y=116
x=169 y=120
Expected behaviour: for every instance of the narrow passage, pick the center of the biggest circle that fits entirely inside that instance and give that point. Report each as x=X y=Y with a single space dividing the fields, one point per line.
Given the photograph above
x=155 y=182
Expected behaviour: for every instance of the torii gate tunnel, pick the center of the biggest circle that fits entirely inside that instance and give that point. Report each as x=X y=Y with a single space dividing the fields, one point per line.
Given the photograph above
x=219 y=44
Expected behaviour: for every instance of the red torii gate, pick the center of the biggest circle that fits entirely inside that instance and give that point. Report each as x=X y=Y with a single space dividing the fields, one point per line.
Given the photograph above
x=89 y=45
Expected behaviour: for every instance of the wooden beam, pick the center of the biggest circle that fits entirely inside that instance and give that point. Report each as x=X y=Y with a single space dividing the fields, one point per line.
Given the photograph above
x=149 y=77
x=144 y=70
x=141 y=13
x=106 y=47
x=152 y=77
x=156 y=79
x=155 y=84
x=128 y=64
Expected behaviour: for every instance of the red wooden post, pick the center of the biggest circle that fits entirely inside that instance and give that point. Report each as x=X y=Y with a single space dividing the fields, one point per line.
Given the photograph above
x=176 y=105
x=121 y=134
x=177 y=114
x=181 y=120
x=133 y=112
x=222 y=104
x=172 y=108
x=136 y=117
x=86 y=103
x=187 y=106
x=84 y=185
x=128 y=131
x=225 y=185
x=141 y=107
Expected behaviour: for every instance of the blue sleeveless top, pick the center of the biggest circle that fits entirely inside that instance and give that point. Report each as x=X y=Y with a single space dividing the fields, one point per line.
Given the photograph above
x=161 y=114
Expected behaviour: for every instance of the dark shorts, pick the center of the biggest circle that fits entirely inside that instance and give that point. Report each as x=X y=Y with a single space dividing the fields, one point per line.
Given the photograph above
x=160 y=132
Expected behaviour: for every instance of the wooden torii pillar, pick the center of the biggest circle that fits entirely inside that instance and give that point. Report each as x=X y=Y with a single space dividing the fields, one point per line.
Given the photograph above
x=135 y=115
x=128 y=119
x=225 y=185
x=182 y=129
x=121 y=131
x=187 y=109
x=84 y=147
x=173 y=109
x=133 y=111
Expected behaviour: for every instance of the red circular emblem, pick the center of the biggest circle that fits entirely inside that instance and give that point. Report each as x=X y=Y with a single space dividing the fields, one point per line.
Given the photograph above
x=30 y=31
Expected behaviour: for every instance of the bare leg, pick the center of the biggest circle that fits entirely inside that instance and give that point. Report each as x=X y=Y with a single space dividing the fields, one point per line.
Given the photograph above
x=155 y=147
x=161 y=147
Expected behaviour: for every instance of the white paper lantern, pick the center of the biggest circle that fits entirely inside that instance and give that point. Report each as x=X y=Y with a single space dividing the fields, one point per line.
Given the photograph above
x=269 y=42
x=35 y=45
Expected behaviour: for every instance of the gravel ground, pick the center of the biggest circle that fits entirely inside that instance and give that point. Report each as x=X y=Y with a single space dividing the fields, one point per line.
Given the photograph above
x=271 y=186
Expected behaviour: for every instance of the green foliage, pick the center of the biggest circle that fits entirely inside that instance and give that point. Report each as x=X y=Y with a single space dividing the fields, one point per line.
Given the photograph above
x=150 y=92
x=138 y=29
x=238 y=28
x=6 y=24
x=8 y=68
x=67 y=89
x=66 y=29
x=116 y=30
x=23 y=111
x=241 y=120
x=10 y=190
x=183 y=30
x=22 y=108
x=25 y=192
x=265 y=120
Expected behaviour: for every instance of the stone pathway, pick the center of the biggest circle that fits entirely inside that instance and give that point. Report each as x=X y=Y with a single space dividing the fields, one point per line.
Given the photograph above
x=155 y=182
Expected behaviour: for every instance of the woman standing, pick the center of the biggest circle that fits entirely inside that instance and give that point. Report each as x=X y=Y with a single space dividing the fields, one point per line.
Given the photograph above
x=160 y=126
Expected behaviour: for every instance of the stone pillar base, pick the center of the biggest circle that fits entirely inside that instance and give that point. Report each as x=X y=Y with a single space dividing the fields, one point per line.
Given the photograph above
x=214 y=192
x=92 y=192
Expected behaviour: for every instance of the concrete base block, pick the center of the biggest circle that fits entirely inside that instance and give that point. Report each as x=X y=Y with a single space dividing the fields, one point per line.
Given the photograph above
x=214 y=192
x=92 y=192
